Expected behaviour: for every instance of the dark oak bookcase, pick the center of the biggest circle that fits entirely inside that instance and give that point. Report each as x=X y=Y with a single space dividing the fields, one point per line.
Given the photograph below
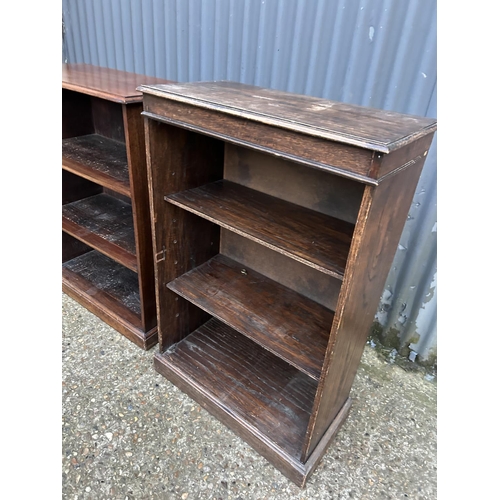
x=107 y=254
x=275 y=222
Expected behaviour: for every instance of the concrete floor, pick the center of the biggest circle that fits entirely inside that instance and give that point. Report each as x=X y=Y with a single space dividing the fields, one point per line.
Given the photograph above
x=128 y=433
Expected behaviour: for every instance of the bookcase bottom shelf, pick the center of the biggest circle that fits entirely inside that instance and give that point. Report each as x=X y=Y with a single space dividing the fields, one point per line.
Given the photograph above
x=110 y=291
x=263 y=399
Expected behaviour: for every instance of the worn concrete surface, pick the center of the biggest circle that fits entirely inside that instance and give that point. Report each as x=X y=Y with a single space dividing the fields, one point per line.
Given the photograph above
x=128 y=433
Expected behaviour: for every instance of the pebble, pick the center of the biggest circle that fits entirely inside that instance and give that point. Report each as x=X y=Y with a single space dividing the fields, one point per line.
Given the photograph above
x=109 y=435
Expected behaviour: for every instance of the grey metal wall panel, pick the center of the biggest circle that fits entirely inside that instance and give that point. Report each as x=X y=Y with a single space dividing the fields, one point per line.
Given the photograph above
x=379 y=53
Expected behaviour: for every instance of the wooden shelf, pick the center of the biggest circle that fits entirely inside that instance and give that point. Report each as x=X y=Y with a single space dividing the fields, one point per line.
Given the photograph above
x=99 y=159
x=289 y=325
x=315 y=239
x=272 y=398
x=106 y=281
x=104 y=223
x=111 y=292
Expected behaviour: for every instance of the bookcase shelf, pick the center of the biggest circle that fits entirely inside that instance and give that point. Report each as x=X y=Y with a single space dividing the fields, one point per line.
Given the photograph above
x=107 y=254
x=275 y=219
x=98 y=159
x=248 y=383
x=289 y=325
x=105 y=223
x=310 y=237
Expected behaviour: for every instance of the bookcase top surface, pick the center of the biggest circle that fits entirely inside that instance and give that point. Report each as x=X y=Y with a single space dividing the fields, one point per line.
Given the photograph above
x=106 y=83
x=369 y=128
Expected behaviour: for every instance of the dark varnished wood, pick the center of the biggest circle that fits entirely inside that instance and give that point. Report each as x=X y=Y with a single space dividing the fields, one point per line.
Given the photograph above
x=103 y=154
x=71 y=247
x=108 y=309
x=310 y=237
x=98 y=159
x=179 y=160
x=305 y=280
x=110 y=291
x=75 y=187
x=110 y=278
x=375 y=241
x=387 y=165
x=141 y=224
x=370 y=128
x=108 y=119
x=260 y=388
x=104 y=223
x=280 y=320
x=315 y=152
x=268 y=272
x=74 y=105
x=260 y=397
x=107 y=83
x=93 y=273
x=308 y=187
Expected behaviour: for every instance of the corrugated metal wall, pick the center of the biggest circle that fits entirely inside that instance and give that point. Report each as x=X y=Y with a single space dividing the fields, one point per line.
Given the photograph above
x=379 y=53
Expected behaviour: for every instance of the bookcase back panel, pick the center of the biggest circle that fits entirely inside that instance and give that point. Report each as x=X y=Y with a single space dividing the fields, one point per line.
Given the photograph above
x=311 y=188
x=307 y=281
x=83 y=115
x=117 y=195
x=71 y=247
x=76 y=188
x=108 y=119
x=76 y=114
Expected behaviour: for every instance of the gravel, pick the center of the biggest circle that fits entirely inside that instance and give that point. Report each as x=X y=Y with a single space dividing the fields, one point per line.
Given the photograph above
x=129 y=433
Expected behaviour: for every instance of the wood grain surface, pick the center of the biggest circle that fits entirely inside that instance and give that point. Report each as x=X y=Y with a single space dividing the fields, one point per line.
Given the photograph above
x=370 y=128
x=104 y=223
x=109 y=277
x=141 y=223
x=291 y=326
x=98 y=159
x=305 y=280
x=106 y=83
x=111 y=292
x=310 y=237
x=276 y=219
x=374 y=244
x=248 y=381
x=343 y=159
x=179 y=160
x=308 y=187
x=76 y=114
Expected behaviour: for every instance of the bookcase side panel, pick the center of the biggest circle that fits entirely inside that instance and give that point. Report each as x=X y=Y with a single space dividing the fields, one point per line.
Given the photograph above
x=177 y=160
x=380 y=223
x=136 y=154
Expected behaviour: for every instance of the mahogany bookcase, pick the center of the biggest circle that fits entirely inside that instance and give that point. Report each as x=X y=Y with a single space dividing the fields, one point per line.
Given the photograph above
x=106 y=240
x=276 y=218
